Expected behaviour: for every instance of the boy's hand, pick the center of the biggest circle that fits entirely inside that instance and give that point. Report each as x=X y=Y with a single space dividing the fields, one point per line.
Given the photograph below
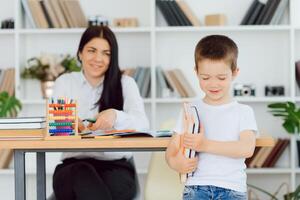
x=194 y=141
x=184 y=165
x=105 y=120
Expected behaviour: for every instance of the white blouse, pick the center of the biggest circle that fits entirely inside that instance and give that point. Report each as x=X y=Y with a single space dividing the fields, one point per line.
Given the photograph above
x=75 y=86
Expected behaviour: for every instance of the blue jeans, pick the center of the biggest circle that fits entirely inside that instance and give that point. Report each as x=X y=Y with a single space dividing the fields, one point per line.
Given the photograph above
x=208 y=192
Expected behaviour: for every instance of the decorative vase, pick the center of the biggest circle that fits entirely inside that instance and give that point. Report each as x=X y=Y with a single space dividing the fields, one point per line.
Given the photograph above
x=47 y=89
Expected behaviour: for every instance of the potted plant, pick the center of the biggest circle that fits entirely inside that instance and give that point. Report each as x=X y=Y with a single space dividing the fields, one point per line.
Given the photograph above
x=290 y=114
x=289 y=196
x=9 y=105
x=47 y=68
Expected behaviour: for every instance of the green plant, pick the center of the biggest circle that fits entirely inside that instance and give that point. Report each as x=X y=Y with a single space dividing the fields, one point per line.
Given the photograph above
x=49 y=67
x=290 y=114
x=9 y=105
x=289 y=196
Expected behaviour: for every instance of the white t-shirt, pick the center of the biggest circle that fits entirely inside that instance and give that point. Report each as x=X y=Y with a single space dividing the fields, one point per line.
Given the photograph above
x=75 y=86
x=222 y=123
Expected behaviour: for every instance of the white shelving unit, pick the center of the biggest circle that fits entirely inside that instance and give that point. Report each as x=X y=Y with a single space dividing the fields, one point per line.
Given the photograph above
x=266 y=57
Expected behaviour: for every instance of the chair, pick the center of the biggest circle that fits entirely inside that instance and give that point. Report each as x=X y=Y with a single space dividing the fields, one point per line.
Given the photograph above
x=137 y=197
x=162 y=182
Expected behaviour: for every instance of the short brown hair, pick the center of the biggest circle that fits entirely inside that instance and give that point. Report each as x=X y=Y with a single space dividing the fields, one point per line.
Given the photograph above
x=217 y=47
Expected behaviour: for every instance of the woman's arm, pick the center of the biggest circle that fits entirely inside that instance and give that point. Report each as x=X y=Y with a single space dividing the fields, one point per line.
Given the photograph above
x=133 y=115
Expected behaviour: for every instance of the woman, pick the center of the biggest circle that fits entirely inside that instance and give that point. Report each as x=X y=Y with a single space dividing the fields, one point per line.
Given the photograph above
x=113 y=99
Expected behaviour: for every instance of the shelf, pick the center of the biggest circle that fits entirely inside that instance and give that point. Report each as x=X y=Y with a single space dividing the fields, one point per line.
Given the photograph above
x=239 y=99
x=269 y=171
x=297 y=170
x=263 y=99
x=223 y=28
x=6 y=31
x=42 y=102
x=80 y=30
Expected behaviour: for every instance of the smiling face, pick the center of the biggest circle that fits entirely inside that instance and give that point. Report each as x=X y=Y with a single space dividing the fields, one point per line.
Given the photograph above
x=95 y=58
x=215 y=78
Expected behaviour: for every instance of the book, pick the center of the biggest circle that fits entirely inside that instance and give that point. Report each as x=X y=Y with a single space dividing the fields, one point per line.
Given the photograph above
x=127 y=133
x=22 y=123
x=273 y=152
x=28 y=13
x=52 y=16
x=166 y=12
x=249 y=13
x=297 y=67
x=162 y=90
x=263 y=157
x=188 y=12
x=263 y=12
x=256 y=12
x=249 y=160
x=47 y=16
x=21 y=134
x=191 y=125
x=22 y=120
x=270 y=12
x=17 y=126
x=278 y=15
x=256 y=158
x=182 y=15
x=274 y=159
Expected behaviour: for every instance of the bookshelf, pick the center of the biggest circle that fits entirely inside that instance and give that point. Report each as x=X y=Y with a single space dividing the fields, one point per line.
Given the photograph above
x=267 y=56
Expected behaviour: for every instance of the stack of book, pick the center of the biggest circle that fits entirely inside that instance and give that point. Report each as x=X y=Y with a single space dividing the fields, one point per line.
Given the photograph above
x=169 y=83
x=266 y=157
x=177 y=13
x=142 y=76
x=265 y=13
x=54 y=13
x=7 y=80
x=22 y=128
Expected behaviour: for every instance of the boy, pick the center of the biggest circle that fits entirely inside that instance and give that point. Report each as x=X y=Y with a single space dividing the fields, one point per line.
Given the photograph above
x=228 y=129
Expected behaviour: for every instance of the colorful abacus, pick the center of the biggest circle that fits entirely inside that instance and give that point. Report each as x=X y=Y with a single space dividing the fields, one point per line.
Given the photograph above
x=62 y=119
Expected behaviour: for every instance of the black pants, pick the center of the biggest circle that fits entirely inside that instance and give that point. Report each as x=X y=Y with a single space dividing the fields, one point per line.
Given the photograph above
x=92 y=179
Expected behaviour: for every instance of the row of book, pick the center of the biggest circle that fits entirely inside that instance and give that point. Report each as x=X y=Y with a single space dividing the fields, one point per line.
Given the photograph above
x=177 y=13
x=169 y=83
x=7 y=80
x=270 y=12
x=54 y=13
x=266 y=157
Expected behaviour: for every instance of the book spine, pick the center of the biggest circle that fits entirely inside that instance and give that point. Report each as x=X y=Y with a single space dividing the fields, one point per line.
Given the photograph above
x=249 y=13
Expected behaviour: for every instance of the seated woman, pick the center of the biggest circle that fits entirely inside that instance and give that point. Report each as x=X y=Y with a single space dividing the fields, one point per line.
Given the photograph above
x=113 y=99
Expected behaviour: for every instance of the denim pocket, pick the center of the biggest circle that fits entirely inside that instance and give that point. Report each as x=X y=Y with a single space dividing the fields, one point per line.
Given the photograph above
x=187 y=193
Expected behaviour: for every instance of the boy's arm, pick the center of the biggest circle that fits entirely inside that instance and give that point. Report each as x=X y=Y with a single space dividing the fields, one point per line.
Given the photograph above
x=243 y=148
x=176 y=159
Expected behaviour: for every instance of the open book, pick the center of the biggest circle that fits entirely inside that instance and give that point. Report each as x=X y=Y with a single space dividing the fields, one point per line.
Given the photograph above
x=127 y=133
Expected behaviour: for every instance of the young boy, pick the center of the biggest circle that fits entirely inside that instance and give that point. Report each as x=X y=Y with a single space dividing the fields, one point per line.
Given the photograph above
x=228 y=129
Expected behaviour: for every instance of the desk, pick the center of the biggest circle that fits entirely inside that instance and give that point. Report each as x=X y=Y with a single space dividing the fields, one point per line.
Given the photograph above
x=20 y=147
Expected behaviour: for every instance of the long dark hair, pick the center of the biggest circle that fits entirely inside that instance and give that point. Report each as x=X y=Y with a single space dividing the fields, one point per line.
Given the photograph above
x=112 y=95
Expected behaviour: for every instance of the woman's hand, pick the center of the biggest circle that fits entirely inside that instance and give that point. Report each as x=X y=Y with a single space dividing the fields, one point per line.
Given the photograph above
x=194 y=141
x=105 y=120
x=81 y=126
